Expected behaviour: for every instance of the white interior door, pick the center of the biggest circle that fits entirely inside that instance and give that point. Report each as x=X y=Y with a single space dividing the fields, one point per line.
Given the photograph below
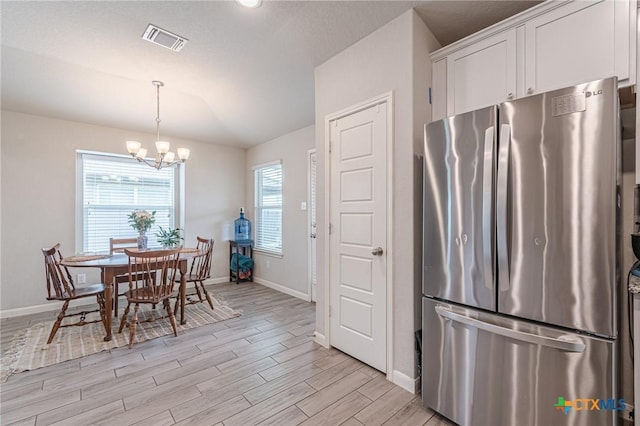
x=312 y=224
x=358 y=236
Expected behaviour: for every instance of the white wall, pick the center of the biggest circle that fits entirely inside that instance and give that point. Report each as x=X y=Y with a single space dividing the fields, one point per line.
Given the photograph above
x=38 y=176
x=0 y=210
x=288 y=273
x=393 y=58
x=423 y=42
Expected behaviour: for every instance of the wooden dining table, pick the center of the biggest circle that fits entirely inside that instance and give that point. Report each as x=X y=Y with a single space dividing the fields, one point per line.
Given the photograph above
x=118 y=264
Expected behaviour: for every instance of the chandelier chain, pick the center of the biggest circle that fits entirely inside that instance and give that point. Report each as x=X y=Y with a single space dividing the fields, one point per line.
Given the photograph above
x=158 y=84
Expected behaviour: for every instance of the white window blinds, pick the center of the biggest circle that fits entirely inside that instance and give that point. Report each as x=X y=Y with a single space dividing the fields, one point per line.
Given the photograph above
x=111 y=188
x=268 y=208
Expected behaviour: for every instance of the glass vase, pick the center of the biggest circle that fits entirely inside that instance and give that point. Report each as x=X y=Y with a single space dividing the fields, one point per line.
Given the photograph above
x=142 y=241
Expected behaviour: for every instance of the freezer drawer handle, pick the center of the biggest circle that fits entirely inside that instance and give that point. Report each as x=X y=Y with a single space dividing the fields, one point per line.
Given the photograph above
x=564 y=343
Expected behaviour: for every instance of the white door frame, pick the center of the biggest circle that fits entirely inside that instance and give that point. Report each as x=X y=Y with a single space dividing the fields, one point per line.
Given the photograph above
x=388 y=99
x=310 y=259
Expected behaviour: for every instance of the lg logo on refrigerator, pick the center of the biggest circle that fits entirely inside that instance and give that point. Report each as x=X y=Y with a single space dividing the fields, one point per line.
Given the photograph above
x=590 y=93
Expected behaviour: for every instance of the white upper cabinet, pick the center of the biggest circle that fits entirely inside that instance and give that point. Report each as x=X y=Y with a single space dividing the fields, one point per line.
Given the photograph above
x=578 y=42
x=482 y=74
x=552 y=45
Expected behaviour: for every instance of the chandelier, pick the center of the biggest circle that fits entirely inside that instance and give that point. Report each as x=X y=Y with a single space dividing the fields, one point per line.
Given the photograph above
x=164 y=157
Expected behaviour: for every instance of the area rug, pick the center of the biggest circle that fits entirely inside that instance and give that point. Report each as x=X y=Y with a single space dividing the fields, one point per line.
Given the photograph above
x=28 y=349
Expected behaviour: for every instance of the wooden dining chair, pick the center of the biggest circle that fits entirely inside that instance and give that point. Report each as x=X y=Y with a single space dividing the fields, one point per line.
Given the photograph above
x=161 y=264
x=117 y=245
x=198 y=271
x=60 y=286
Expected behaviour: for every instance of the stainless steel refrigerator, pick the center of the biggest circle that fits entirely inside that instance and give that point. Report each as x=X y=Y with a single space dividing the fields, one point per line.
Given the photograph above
x=520 y=262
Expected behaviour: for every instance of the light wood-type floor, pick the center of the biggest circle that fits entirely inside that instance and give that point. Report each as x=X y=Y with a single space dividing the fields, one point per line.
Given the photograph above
x=261 y=368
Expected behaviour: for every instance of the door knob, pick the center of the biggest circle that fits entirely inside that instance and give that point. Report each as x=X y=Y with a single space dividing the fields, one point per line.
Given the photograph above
x=377 y=251
x=530 y=90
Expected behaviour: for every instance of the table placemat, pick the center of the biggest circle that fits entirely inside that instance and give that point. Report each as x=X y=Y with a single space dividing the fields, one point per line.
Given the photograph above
x=85 y=258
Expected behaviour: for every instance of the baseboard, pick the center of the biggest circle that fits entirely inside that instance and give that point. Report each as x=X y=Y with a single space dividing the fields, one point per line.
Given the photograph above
x=282 y=289
x=48 y=307
x=405 y=382
x=36 y=309
x=217 y=280
x=320 y=339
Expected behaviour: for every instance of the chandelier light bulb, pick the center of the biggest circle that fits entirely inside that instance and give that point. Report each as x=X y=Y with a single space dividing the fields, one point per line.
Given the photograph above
x=169 y=157
x=142 y=153
x=183 y=154
x=133 y=147
x=163 y=147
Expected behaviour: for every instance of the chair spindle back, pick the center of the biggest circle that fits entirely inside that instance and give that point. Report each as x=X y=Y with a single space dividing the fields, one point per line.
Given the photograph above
x=201 y=265
x=152 y=273
x=117 y=245
x=58 y=276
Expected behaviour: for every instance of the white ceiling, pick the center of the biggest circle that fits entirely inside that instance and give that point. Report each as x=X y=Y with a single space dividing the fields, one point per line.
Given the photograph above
x=244 y=77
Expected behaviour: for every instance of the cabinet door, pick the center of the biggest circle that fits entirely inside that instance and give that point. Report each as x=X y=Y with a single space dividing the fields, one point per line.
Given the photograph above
x=579 y=42
x=482 y=74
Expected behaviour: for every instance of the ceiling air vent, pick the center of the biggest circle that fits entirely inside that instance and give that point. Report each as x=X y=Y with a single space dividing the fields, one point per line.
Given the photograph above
x=164 y=38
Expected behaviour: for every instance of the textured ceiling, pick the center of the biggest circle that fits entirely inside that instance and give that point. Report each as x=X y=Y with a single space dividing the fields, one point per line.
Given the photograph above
x=244 y=77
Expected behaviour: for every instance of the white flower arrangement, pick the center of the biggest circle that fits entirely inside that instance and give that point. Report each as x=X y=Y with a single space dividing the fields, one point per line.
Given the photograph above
x=142 y=220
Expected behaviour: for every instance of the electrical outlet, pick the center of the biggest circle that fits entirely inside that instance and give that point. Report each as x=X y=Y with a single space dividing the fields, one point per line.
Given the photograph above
x=268 y=264
x=81 y=278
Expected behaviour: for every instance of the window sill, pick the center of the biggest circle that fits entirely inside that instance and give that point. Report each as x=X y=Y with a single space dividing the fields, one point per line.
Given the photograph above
x=268 y=253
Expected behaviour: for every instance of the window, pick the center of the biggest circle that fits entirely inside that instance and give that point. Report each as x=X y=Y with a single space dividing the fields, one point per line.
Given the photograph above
x=109 y=188
x=268 y=208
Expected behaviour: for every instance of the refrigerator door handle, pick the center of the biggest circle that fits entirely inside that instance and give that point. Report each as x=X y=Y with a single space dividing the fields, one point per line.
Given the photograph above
x=501 y=208
x=567 y=343
x=487 y=207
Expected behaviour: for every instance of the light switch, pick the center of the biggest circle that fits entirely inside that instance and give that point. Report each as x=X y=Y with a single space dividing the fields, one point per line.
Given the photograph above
x=303 y=205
